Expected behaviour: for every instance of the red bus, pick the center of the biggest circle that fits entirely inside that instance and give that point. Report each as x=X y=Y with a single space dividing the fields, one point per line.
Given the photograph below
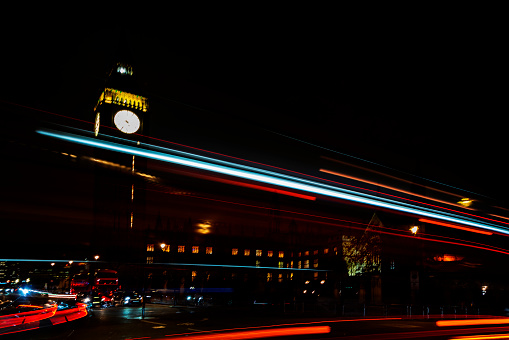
x=105 y=281
x=80 y=283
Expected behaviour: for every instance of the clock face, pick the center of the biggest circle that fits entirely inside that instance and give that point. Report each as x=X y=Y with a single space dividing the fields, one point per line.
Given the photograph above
x=97 y=123
x=127 y=121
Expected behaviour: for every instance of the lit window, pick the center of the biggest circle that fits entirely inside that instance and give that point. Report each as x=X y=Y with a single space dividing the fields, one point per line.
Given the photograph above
x=281 y=254
x=291 y=276
x=315 y=252
x=235 y=251
x=208 y=250
x=299 y=264
x=150 y=247
x=315 y=275
x=326 y=251
x=195 y=249
x=258 y=263
x=270 y=253
x=269 y=277
x=181 y=249
x=300 y=254
x=166 y=248
x=306 y=264
x=306 y=253
x=150 y=259
x=193 y=275
x=247 y=252
x=315 y=263
x=280 y=278
x=280 y=264
x=291 y=264
x=258 y=252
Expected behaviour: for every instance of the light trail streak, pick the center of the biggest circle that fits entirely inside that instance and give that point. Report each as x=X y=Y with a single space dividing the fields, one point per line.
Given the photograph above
x=386 y=187
x=472 y=322
x=287 y=182
x=364 y=160
x=254 y=186
x=482 y=337
x=285 y=324
x=257 y=333
x=341 y=223
x=455 y=226
x=398 y=178
x=238 y=266
x=279 y=174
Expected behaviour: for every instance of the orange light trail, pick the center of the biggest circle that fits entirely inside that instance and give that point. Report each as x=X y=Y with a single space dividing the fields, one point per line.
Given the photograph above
x=257 y=334
x=386 y=187
x=456 y=226
x=336 y=221
x=472 y=322
x=393 y=177
x=481 y=337
x=290 y=326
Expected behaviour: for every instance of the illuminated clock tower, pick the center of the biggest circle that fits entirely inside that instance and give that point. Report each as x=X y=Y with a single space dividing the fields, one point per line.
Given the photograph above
x=120 y=107
x=121 y=114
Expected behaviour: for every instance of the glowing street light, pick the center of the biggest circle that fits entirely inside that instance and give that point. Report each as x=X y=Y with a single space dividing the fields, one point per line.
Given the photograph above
x=96 y=257
x=414 y=229
x=466 y=202
x=163 y=245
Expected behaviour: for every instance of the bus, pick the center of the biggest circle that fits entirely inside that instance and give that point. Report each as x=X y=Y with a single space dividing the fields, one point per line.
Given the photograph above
x=105 y=281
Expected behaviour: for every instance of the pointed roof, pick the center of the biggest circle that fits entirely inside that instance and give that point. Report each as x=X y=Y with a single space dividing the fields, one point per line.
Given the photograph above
x=122 y=75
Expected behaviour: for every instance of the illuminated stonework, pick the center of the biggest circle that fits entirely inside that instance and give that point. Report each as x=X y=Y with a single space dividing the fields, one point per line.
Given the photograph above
x=112 y=96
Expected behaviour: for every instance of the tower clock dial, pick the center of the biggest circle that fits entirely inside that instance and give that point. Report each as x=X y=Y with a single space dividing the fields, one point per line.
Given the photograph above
x=127 y=121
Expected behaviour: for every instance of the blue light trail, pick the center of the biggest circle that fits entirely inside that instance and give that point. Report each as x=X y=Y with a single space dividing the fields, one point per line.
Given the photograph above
x=273 y=178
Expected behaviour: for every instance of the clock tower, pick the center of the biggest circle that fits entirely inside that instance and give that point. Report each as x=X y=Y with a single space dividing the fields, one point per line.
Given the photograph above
x=120 y=108
x=119 y=193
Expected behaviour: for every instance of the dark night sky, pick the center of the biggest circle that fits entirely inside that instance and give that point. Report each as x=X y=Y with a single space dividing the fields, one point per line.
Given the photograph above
x=422 y=96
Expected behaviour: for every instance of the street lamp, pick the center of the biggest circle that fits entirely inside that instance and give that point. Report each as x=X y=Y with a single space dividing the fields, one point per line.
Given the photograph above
x=163 y=245
x=466 y=202
x=414 y=229
x=96 y=257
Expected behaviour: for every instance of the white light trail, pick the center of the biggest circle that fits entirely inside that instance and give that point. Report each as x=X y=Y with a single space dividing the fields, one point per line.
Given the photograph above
x=275 y=179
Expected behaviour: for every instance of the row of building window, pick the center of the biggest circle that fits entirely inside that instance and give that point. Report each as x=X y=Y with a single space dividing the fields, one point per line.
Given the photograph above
x=235 y=251
x=289 y=276
x=300 y=264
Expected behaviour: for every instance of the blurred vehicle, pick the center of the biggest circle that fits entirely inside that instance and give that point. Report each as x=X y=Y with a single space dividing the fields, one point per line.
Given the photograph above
x=126 y=298
x=100 y=299
x=85 y=297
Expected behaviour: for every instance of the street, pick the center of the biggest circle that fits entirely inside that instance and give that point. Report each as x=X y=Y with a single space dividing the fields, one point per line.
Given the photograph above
x=173 y=322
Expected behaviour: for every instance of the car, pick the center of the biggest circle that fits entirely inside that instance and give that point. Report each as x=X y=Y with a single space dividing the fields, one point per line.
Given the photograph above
x=126 y=298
